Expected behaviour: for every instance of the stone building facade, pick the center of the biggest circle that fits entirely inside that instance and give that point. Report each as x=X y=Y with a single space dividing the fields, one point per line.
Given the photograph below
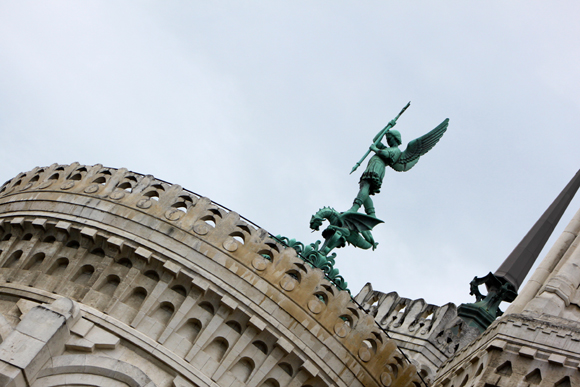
x=112 y=278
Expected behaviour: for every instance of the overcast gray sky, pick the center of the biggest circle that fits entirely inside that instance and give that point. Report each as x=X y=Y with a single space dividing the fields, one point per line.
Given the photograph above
x=265 y=106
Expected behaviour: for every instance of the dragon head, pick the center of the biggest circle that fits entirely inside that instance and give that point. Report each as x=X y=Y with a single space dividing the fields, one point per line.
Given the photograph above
x=316 y=222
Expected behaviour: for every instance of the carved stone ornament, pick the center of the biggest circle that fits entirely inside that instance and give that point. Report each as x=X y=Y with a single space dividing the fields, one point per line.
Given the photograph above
x=92 y=188
x=144 y=203
x=67 y=185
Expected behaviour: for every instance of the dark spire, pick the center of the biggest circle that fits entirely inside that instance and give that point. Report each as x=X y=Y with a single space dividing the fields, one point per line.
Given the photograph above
x=517 y=265
x=504 y=284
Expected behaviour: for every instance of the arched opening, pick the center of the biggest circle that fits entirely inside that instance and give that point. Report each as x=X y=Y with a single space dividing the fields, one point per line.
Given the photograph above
x=49 y=239
x=207 y=307
x=243 y=369
x=125 y=186
x=84 y=275
x=125 y=262
x=152 y=274
x=164 y=312
x=217 y=348
x=271 y=383
x=110 y=285
x=13 y=260
x=59 y=267
x=261 y=346
x=505 y=369
x=179 y=290
x=35 y=261
x=73 y=244
x=564 y=382
x=98 y=252
x=235 y=326
x=534 y=377
x=286 y=368
x=138 y=295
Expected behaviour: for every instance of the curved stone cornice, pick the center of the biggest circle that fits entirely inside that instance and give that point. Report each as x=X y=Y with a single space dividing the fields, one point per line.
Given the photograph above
x=180 y=236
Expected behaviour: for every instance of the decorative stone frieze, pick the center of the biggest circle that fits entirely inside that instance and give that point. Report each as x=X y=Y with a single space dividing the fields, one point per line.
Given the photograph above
x=175 y=290
x=515 y=351
x=429 y=334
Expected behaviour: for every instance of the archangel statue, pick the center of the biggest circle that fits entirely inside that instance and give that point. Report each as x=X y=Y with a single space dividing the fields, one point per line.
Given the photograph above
x=401 y=161
x=353 y=227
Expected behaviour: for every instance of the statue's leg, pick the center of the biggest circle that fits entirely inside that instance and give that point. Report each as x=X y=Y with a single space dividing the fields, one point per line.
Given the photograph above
x=363 y=195
x=369 y=206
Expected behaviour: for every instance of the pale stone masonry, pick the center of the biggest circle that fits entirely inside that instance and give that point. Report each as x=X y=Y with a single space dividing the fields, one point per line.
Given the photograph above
x=112 y=278
x=429 y=334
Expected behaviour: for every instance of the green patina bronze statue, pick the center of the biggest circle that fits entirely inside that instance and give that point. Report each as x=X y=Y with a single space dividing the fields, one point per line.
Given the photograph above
x=351 y=226
x=372 y=179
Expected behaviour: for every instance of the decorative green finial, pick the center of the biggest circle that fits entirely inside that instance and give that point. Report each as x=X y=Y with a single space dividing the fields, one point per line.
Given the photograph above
x=505 y=282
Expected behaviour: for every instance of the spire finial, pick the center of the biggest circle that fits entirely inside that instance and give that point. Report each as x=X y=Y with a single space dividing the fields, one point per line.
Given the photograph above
x=505 y=282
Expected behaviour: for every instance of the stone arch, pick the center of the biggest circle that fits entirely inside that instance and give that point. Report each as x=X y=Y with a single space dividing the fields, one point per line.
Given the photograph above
x=262 y=347
x=84 y=274
x=164 y=312
x=109 y=286
x=59 y=266
x=564 y=382
x=136 y=297
x=505 y=369
x=270 y=383
x=217 y=348
x=35 y=261
x=534 y=377
x=68 y=369
x=243 y=369
x=13 y=260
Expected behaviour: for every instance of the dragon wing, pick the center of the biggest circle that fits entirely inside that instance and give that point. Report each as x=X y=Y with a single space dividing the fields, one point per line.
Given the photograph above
x=359 y=222
x=419 y=147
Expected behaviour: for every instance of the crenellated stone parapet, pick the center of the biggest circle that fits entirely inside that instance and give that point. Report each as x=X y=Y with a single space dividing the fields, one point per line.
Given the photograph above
x=517 y=350
x=429 y=334
x=212 y=298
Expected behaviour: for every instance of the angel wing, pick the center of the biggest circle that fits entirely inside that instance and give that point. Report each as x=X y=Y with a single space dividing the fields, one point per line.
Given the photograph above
x=359 y=222
x=419 y=147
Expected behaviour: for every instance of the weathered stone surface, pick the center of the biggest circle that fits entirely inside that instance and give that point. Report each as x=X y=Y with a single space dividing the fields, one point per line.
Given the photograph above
x=166 y=288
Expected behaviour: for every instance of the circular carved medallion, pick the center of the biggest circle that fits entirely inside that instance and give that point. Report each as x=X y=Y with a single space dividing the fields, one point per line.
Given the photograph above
x=288 y=283
x=315 y=306
x=46 y=184
x=386 y=379
x=117 y=195
x=201 y=228
x=230 y=244
x=26 y=187
x=92 y=188
x=67 y=185
x=144 y=203
x=341 y=329
x=259 y=263
x=364 y=353
x=174 y=214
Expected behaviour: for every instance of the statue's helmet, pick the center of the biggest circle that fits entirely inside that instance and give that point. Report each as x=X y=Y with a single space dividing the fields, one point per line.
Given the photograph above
x=393 y=137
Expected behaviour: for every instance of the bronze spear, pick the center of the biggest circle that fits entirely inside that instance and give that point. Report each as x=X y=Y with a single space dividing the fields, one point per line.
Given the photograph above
x=379 y=136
